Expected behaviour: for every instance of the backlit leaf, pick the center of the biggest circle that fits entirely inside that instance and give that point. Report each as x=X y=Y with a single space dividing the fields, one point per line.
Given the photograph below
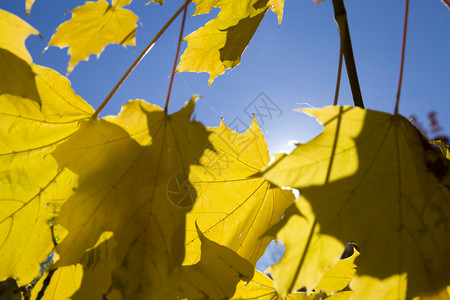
x=371 y=178
x=9 y=290
x=260 y=287
x=308 y=252
x=444 y=148
x=277 y=7
x=32 y=186
x=13 y=33
x=64 y=282
x=161 y=2
x=86 y=280
x=28 y=5
x=16 y=75
x=332 y=285
x=93 y=26
x=216 y=274
x=338 y=277
x=234 y=209
x=220 y=43
x=125 y=164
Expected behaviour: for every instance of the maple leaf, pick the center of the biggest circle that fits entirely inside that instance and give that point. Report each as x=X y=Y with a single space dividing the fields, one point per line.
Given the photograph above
x=31 y=184
x=308 y=252
x=125 y=164
x=28 y=5
x=233 y=208
x=220 y=43
x=331 y=286
x=93 y=26
x=14 y=32
x=444 y=148
x=161 y=2
x=8 y=290
x=85 y=280
x=260 y=287
x=16 y=77
x=216 y=274
x=64 y=282
x=372 y=178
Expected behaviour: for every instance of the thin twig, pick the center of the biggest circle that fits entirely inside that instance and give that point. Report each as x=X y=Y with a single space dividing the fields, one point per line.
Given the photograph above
x=405 y=28
x=338 y=80
x=446 y=3
x=46 y=283
x=340 y=15
x=176 y=59
x=47 y=279
x=140 y=57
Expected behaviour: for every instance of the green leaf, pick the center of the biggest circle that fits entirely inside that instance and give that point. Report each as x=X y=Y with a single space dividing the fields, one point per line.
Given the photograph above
x=233 y=208
x=220 y=43
x=93 y=26
x=371 y=178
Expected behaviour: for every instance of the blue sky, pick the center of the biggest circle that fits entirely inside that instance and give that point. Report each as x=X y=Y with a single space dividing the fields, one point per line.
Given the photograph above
x=293 y=65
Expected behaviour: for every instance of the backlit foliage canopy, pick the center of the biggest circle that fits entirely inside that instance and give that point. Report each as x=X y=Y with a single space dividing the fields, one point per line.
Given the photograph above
x=151 y=205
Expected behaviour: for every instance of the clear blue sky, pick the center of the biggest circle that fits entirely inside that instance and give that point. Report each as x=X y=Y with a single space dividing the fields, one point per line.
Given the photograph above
x=295 y=64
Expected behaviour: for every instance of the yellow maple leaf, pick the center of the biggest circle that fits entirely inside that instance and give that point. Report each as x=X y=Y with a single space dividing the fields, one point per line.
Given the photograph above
x=339 y=276
x=260 y=287
x=64 y=282
x=308 y=252
x=16 y=77
x=28 y=5
x=372 y=178
x=31 y=184
x=234 y=209
x=220 y=43
x=160 y=2
x=332 y=285
x=85 y=280
x=13 y=33
x=444 y=148
x=217 y=273
x=93 y=26
x=125 y=164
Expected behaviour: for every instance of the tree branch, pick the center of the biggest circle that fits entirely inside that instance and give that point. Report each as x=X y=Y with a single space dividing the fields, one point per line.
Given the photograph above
x=140 y=57
x=340 y=15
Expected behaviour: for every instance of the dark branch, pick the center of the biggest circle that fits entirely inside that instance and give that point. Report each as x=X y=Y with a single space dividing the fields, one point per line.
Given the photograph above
x=340 y=15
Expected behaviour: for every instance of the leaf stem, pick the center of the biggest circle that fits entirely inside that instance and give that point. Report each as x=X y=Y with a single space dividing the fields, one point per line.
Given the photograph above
x=340 y=15
x=46 y=283
x=180 y=38
x=405 y=28
x=138 y=60
x=446 y=3
x=338 y=80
